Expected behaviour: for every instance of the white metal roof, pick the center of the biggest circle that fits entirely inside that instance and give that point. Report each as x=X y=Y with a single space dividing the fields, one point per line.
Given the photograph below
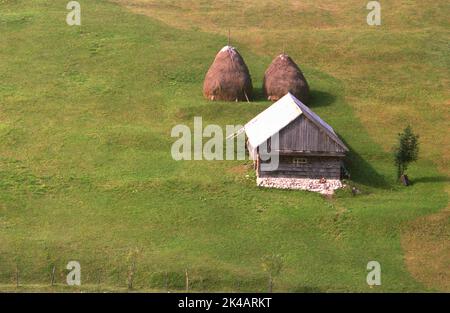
x=271 y=120
x=279 y=115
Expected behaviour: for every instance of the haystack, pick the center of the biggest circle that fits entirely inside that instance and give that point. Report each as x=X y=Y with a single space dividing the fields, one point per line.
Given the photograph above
x=228 y=77
x=284 y=76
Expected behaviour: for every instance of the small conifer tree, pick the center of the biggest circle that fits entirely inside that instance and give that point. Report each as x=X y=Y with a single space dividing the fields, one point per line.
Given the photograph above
x=406 y=151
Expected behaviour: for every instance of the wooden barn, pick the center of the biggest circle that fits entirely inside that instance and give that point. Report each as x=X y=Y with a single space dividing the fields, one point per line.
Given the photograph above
x=310 y=154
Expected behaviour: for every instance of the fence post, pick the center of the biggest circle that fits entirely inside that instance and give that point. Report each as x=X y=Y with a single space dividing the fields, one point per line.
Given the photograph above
x=53 y=275
x=270 y=283
x=17 y=276
x=166 y=281
x=187 y=280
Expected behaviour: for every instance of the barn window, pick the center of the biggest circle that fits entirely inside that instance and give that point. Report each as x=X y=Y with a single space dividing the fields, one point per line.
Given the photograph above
x=299 y=161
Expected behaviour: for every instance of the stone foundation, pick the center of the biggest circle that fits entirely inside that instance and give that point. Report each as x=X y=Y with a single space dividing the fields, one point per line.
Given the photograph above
x=326 y=187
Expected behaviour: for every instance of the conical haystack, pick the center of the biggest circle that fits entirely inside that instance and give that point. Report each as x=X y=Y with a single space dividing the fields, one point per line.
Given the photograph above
x=228 y=77
x=284 y=76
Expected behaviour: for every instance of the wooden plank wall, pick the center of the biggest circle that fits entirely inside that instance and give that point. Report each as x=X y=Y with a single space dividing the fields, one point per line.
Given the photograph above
x=303 y=135
x=316 y=167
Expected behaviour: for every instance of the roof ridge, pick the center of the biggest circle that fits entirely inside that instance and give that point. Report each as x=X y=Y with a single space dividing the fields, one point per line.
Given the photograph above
x=278 y=115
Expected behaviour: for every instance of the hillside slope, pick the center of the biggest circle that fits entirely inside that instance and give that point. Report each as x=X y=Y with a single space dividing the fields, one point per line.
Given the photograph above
x=86 y=172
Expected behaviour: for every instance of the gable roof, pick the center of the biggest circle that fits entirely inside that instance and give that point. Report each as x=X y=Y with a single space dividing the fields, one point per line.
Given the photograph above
x=279 y=115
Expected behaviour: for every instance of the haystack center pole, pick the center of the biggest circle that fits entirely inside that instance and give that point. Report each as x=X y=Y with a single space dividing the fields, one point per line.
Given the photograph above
x=229 y=22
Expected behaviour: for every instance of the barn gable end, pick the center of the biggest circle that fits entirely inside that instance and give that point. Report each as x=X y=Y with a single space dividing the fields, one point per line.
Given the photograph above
x=302 y=135
x=290 y=117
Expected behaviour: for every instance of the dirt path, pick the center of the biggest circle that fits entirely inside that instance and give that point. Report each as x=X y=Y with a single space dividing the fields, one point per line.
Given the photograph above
x=426 y=242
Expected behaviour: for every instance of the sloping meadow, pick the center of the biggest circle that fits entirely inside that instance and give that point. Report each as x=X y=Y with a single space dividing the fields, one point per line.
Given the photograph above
x=86 y=171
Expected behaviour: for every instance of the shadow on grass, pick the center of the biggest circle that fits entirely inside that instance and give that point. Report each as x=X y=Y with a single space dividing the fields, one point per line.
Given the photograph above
x=317 y=98
x=362 y=172
x=430 y=179
x=258 y=94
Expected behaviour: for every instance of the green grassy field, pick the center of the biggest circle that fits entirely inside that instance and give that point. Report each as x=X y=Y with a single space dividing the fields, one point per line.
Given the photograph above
x=86 y=171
